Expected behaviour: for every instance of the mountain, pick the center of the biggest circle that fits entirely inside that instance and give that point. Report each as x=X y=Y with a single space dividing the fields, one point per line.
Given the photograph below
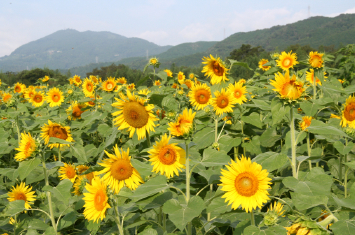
x=69 y=48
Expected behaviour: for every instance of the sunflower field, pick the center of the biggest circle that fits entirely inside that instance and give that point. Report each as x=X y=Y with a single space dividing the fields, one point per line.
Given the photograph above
x=271 y=155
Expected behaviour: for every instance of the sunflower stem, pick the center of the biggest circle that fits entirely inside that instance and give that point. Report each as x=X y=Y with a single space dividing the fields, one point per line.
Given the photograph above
x=309 y=152
x=18 y=132
x=189 y=225
x=59 y=155
x=293 y=145
x=241 y=122
x=216 y=130
x=252 y=220
x=235 y=153
x=340 y=168
x=48 y=194
x=118 y=222
x=148 y=140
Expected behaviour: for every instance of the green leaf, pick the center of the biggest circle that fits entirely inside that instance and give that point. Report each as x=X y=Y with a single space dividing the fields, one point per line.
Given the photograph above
x=169 y=103
x=179 y=214
x=303 y=202
x=155 y=201
x=271 y=161
x=263 y=105
x=243 y=64
x=278 y=111
x=144 y=168
x=309 y=108
x=148 y=231
x=156 y=99
x=345 y=202
x=26 y=167
x=62 y=191
x=343 y=227
x=204 y=137
x=253 y=146
x=212 y=157
x=351 y=164
x=54 y=140
x=218 y=206
x=14 y=207
x=269 y=137
x=342 y=149
x=37 y=224
x=50 y=231
x=254 y=119
x=78 y=152
x=149 y=188
x=318 y=127
x=67 y=220
x=227 y=142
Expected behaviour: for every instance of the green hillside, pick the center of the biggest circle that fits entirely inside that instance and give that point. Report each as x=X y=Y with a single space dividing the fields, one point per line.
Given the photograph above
x=69 y=48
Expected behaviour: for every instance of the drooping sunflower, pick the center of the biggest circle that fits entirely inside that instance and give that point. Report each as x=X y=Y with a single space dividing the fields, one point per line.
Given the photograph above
x=37 y=99
x=26 y=148
x=121 y=80
x=157 y=83
x=168 y=72
x=287 y=60
x=153 y=61
x=175 y=85
x=75 y=110
x=286 y=87
x=88 y=87
x=77 y=80
x=245 y=184
x=68 y=171
x=54 y=97
x=315 y=59
x=273 y=213
x=19 y=87
x=188 y=83
x=58 y=131
x=184 y=123
x=200 y=96
x=134 y=115
x=79 y=185
x=119 y=172
x=348 y=113
x=96 y=200
x=109 y=84
x=306 y=122
x=181 y=77
x=6 y=97
x=22 y=192
x=238 y=91
x=94 y=79
x=298 y=228
x=223 y=102
x=261 y=64
x=215 y=69
x=167 y=159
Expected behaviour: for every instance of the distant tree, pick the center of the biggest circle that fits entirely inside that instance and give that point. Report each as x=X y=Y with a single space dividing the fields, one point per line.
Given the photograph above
x=245 y=51
x=30 y=77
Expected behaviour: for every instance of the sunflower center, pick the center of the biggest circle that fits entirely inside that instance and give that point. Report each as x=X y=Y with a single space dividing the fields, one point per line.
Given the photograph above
x=135 y=114
x=217 y=69
x=58 y=132
x=349 y=112
x=290 y=90
x=56 y=98
x=167 y=155
x=100 y=200
x=121 y=169
x=89 y=87
x=246 y=184
x=237 y=94
x=316 y=61
x=17 y=89
x=202 y=96
x=222 y=101
x=287 y=62
x=77 y=80
x=27 y=148
x=109 y=86
x=38 y=98
x=70 y=172
x=77 y=112
x=30 y=94
x=20 y=196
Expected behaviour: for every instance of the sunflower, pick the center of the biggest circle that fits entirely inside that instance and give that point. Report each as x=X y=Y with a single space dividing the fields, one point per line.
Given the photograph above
x=77 y=80
x=22 y=192
x=96 y=200
x=29 y=93
x=88 y=87
x=75 y=110
x=286 y=87
x=26 y=148
x=134 y=115
x=58 y=131
x=348 y=114
x=79 y=185
x=54 y=97
x=200 y=96
x=261 y=65
x=277 y=208
x=6 y=97
x=109 y=84
x=273 y=213
x=188 y=83
x=45 y=79
x=315 y=59
x=223 y=102
x=242 y=81
x=121 y=80
x=168 y=159
x=238 y=91
x=298 y=228
x=245 y=184
x=310 y=77
x=306 y=122
x=168 y=72
x=191 y=76
x=82 y=168
x=287 y=60
x=19 y=87
x=119 y=171
x=174 y=86
x=215 y=69
x=131 y=87
x=144 y=92
x=181 y=77
x=37 y=99
x=70 y=91
x=153 y=61
x=157 y=83
x=68 y=171
x=184 y=123
x=94 y=79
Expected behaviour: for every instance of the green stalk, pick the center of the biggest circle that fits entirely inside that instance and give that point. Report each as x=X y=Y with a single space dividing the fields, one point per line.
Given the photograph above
x=119 y=225
x=49 y=195
x=293 y=145
x=59 y=155
x=314 y=86
x=235 y=154
x=241 y=122
x=340 y=168
x=18 y=132
x=216 y=130
x=148 y=140
x=309 y=151
x=252 y=220
x=189 y=224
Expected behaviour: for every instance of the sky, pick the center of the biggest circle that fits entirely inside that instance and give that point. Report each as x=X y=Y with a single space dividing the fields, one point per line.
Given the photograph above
x=163 y=22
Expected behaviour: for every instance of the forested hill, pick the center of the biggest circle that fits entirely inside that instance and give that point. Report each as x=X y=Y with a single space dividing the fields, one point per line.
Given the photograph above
x=69 y=48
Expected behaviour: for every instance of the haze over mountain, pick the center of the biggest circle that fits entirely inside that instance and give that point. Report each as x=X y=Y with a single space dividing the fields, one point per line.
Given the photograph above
x=70 y=48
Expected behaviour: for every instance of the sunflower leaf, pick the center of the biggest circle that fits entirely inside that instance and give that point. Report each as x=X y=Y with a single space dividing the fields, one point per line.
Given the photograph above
x=343 y=227
x=212 y=157
x=54 y=140
x=15 y=207
x=26 y=167
x=62 y=191
x=151 y=187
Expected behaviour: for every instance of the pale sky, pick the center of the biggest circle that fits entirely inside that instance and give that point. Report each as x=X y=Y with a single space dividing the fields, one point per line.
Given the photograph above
x=164 y=22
